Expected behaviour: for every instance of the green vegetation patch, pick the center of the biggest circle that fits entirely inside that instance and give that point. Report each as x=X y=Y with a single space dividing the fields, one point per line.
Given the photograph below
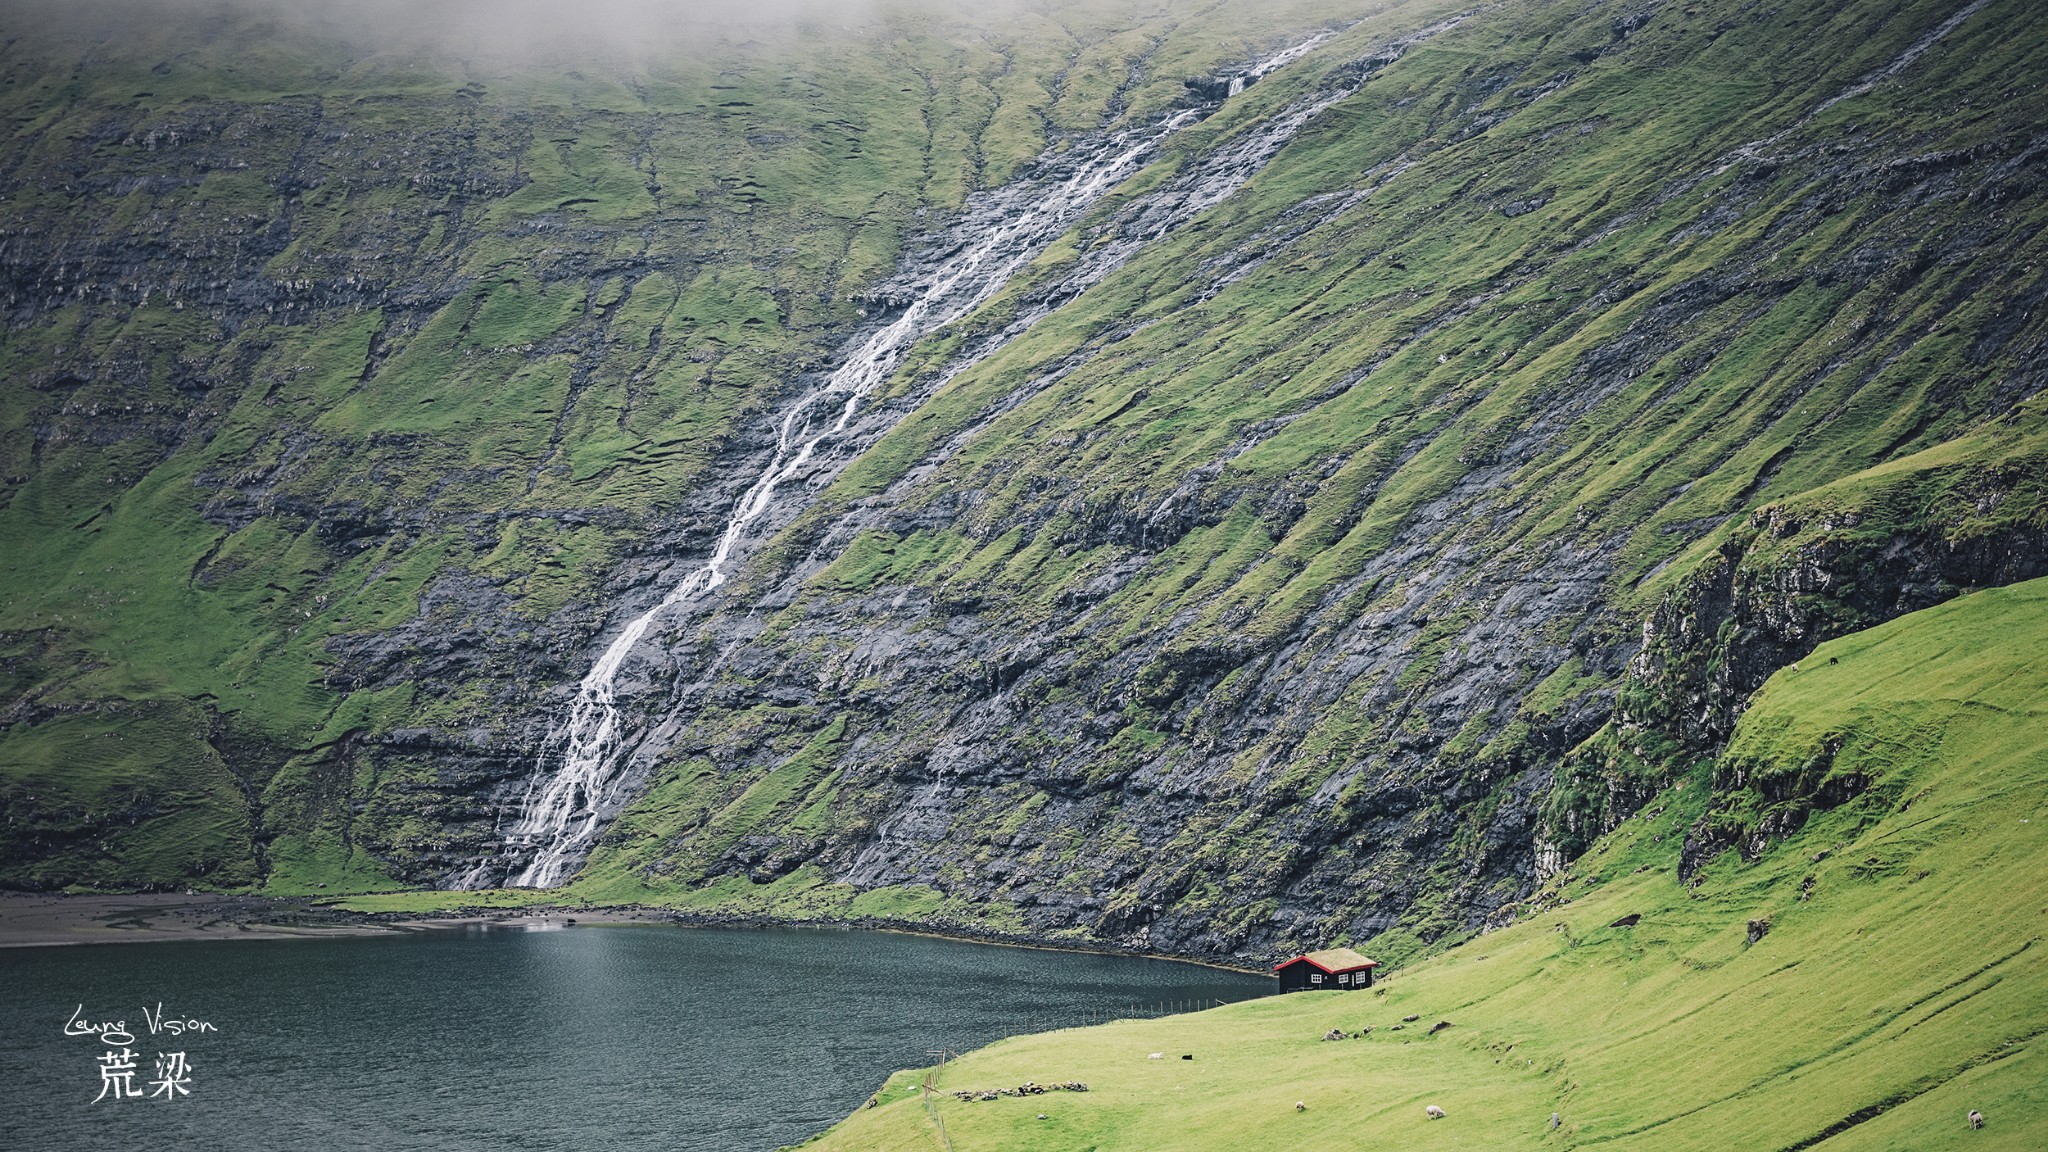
x=1862 y=983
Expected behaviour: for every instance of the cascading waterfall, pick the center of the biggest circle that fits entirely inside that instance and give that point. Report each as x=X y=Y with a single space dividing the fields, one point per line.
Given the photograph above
x=564 y=810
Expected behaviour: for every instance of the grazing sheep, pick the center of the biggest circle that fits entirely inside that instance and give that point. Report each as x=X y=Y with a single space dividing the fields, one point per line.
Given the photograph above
x=1156 y=1056
x=1434 y=1112
x=1555 y=1120
x=1976 y=1118
x=1300 y=1106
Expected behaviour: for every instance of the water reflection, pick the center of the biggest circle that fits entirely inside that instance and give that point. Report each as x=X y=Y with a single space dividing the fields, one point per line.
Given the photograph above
x=620 y=1037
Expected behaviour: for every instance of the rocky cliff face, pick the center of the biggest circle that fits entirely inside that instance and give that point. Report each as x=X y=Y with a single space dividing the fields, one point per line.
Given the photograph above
x=1400 y=480
x=1794 y=575
x=1261 y=605
x=347 y=410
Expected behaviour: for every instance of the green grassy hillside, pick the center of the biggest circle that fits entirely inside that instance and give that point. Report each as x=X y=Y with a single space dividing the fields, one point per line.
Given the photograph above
x=1860 y=983
x=1290 y=585
x=352 y=369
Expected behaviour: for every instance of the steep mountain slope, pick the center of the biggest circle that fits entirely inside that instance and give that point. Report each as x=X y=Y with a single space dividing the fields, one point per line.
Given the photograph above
x=1863 y=983
x=353 y=370
x=1345 y=557
x=1290 y=585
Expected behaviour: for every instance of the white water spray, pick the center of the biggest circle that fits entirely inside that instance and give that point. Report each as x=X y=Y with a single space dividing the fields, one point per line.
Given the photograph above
x=564 y=811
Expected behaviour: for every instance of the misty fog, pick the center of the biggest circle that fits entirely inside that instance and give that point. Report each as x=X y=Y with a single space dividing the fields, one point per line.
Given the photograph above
x=498 y=31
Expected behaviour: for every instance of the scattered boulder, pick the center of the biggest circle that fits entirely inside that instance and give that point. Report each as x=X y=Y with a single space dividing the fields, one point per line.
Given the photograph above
x=1439 y=1026
x=1334 y=1034
x=1757 y=929
x=1410 y=1019
x=1628 y=921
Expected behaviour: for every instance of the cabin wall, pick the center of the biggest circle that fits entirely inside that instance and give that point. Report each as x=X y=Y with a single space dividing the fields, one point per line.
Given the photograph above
x=1302 y=978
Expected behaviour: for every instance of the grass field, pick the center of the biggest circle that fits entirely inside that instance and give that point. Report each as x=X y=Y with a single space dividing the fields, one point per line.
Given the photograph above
x=1898 y=982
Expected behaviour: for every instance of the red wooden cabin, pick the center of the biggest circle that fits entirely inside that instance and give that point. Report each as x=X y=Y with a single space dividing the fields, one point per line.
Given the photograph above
x=1332 y=968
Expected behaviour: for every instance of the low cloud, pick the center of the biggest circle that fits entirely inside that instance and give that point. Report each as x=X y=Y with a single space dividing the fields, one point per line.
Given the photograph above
x=496 y=30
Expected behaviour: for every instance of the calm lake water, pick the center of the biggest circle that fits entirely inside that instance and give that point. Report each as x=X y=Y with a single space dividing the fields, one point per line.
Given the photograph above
x=613 y=1038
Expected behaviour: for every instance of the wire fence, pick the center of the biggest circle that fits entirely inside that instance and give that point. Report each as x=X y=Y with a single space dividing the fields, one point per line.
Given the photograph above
x=1054 y=1018
x=930 y=1092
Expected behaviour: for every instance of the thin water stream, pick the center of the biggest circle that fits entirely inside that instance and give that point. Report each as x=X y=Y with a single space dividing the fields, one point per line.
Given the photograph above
x=582 y=775
x=564 y=810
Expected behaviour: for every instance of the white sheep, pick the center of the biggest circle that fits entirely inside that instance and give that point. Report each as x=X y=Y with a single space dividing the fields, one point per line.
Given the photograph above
x=1976 y=1118
x=1301 y=1105
x=1156 y=1056
x=1434 y=1112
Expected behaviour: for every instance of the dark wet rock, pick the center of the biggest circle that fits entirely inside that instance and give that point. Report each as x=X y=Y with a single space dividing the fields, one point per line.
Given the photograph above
x=1214 y=89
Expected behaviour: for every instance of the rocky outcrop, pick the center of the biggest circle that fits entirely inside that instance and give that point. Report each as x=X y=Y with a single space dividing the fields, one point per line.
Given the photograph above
x=1792 y=576
x=1215 y=89
x=1751 y=609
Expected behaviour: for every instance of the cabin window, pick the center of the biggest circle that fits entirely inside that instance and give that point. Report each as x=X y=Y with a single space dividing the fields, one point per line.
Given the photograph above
x=1315 y=978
